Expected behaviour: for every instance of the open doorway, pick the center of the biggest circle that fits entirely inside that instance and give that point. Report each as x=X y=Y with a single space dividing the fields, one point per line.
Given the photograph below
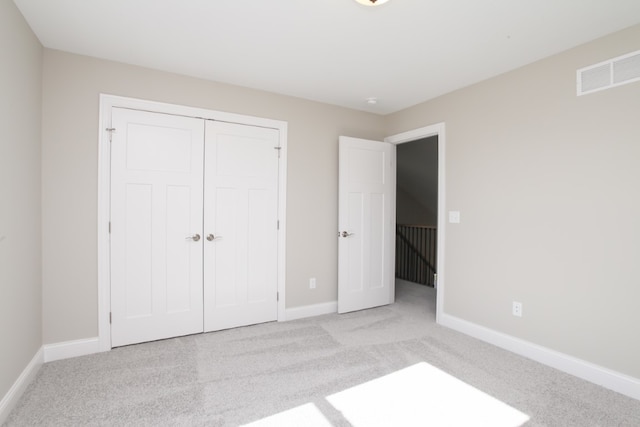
x=417 y=220
x=420 y=208
x=417 y=210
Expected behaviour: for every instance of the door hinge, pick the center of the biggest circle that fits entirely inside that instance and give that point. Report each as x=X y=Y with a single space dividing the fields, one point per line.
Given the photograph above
x=278 y=225
x=109 y=227
x=277 y=296
x=111 y=131
x=109 y=317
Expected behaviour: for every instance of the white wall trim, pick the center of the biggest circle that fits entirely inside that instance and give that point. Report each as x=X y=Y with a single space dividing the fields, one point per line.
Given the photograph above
x=107 y=102
x=16 y=391
x=311 y=310
x=438 y=130
x=69 y=349
x=616 y=381
x=104 y=215
x=282 y=218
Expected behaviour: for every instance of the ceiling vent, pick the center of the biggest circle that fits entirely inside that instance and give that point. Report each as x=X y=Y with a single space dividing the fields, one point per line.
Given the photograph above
x=611 y=73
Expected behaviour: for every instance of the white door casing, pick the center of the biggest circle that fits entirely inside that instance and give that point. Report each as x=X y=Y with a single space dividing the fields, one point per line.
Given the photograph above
x=241 y=225
x=366 y=224
x=156 y=207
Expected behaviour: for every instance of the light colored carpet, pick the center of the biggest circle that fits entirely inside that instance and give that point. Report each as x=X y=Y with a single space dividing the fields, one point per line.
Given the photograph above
x=247 y=374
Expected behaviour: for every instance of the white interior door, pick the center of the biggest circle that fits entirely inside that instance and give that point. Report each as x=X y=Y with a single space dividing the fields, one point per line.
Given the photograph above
x=156 y=226
x=365 y=221
x=241 y=235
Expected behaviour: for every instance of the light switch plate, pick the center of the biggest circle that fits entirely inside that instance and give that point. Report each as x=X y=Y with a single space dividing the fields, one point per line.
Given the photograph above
x=454 y=217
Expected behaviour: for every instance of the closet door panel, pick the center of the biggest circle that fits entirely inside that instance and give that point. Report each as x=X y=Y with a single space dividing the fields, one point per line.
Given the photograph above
x=258 y=238
x=156 y=210
x=241 y=212
x=194 y=211
x=222 y=252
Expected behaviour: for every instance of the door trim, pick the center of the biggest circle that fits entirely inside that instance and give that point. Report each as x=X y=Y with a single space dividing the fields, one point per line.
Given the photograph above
x=438 y=130
x=107 y=102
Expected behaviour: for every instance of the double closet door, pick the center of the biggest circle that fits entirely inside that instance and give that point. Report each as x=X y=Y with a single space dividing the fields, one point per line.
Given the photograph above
x=194 y=210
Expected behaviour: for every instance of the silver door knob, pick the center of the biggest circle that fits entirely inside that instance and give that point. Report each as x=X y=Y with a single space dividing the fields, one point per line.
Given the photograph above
x=195 y=237
x=211 y=237
x=346 y=234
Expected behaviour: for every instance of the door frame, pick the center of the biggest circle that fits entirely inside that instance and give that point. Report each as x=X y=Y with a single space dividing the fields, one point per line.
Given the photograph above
x=438 y=130
x=107 y=102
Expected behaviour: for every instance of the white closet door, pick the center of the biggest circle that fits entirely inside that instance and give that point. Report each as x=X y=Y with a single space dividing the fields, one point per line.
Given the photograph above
x=241 y=241
x=156 y=226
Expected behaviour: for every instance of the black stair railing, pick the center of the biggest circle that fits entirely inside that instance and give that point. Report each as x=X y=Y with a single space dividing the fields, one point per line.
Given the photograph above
x=416 y=247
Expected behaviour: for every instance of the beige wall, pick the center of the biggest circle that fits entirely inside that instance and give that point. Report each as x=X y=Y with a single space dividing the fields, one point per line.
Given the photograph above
x=72 y=84
x=20 y=274
x=547 y=185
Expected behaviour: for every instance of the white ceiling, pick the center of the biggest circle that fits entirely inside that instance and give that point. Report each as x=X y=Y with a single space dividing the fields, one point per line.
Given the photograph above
x=333 y=51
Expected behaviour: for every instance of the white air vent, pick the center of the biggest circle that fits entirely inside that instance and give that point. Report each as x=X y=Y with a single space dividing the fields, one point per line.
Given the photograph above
x=611 y=73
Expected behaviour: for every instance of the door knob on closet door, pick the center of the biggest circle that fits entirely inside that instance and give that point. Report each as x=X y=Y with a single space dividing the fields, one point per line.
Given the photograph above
x=211 y=237
x=346 y=234
x=195 y=237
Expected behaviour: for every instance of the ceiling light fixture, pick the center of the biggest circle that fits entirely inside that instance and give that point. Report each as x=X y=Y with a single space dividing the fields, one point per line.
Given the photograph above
x=372 y=2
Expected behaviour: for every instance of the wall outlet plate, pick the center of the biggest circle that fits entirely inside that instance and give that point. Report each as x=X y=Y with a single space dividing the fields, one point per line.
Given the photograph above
x=517 y=309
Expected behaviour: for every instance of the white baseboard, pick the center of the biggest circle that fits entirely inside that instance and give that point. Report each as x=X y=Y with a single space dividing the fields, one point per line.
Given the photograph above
x=14 y=394
x=69 y=349
x=616 y=381
x=311 y=310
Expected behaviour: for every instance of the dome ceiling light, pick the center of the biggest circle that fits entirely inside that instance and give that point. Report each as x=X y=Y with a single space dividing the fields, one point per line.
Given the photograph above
x=372 y=2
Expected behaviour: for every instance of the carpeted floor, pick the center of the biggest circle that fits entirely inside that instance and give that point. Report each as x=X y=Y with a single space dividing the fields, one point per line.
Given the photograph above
x=243 y=375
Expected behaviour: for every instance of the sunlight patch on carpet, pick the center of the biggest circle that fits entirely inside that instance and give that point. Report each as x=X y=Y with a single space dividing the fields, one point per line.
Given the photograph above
x=306 y=415
x=423 y=395
x=420 y=395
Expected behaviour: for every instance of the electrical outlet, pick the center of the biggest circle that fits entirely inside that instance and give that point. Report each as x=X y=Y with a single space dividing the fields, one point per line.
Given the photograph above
x=517 y=309
x=312 y=283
